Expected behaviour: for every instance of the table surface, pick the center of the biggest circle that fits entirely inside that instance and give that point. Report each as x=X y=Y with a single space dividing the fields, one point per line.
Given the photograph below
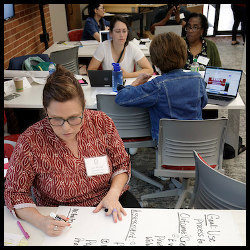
x=37 y=236
x=83 y=51
x=32 y=97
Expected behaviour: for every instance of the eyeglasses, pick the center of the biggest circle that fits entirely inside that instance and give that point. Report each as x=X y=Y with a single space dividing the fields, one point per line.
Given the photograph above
x=73 y=121
x=121 y=31
x=195 y=28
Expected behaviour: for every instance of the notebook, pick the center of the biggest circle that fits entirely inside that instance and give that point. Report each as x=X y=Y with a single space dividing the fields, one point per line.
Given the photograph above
x=167 y=28
x=100 y=78
x=222 y=84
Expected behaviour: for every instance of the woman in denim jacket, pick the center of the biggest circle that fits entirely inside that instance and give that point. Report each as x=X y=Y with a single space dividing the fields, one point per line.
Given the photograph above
x=174 y=94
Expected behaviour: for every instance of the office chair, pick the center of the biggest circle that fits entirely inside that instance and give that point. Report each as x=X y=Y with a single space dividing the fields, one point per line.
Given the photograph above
x=75 y=35
x=8 y=148
x=133 y=125
x=16 y=62
x=8 y=136
x=177 y=29
x=177 y=140
x=67 y=58
x=213 y=190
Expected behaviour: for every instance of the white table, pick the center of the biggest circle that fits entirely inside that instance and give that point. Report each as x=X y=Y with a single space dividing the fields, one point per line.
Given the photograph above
x=32 y=98
x=83 y=51
x=37 y=236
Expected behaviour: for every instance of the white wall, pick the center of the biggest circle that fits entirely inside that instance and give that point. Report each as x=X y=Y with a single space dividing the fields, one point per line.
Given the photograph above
x=58 y=22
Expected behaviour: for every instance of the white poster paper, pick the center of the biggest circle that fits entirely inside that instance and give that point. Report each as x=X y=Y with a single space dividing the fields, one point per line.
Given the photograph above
x=148 y=227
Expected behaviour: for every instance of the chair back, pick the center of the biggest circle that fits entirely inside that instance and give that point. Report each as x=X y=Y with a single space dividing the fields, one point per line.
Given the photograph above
x=178 y=139
x=67 y=58
x=16 y=62
x=213 y=190
x=131 y=122
x=8 y=148
x=177 y=29
x=75 y=35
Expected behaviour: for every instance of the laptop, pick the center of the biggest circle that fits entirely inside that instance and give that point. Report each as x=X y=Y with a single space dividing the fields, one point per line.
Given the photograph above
x=167 y=28
x=100 y=78
x=222 y=85
x=104 y=35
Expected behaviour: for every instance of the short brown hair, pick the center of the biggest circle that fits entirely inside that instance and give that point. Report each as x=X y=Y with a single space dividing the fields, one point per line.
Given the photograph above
x=62 y=86
x=168 y=51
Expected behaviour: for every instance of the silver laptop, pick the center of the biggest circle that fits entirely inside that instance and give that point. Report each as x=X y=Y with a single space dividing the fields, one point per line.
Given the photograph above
x=222 y=85
x=167 y=28
x=100 y=78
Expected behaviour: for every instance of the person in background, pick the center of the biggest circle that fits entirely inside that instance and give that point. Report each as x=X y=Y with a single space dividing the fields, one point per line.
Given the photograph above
x=56 y=156
x=174 y=94
x=120 y=50
x=170 y=15
x=197 y=44
x=239 y=12
x=95 y=22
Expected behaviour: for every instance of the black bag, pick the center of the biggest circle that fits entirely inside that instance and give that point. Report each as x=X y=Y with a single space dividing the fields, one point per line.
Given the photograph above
x=229 y=152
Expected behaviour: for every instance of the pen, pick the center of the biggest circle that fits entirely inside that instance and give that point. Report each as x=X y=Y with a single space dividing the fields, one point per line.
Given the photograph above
x=124 y=82
x=26 y=235
x=56 y=217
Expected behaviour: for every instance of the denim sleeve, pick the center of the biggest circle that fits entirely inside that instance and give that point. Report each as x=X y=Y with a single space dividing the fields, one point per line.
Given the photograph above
x=145 y=95
x=90 y=27
x=203 y=93
x=106 y=23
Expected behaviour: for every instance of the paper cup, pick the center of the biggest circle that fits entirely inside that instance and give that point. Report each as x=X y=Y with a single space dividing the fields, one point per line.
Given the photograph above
x=18 y=83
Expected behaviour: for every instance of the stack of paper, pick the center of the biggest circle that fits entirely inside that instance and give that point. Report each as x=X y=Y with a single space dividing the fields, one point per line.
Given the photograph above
x=89 y=42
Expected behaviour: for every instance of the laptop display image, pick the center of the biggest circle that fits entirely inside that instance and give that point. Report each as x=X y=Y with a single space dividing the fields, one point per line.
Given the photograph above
x=222 y=84
x=100 y=78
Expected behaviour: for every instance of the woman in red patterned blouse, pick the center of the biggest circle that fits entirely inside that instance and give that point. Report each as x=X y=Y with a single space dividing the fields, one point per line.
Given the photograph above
x=72 y=157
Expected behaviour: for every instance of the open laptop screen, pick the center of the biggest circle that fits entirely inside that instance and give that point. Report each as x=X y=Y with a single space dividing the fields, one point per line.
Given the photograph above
x=221 y=81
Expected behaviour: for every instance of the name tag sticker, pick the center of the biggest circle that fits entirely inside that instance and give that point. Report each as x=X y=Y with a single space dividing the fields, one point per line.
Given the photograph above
x=203 y=60
x=97 y=165
x=182 y=16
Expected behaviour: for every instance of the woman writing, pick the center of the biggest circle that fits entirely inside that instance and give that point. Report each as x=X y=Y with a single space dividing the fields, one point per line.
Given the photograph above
x=175 y=94
x=197 y=44
x=120 y=50
x=95 y=22
x=56 y=156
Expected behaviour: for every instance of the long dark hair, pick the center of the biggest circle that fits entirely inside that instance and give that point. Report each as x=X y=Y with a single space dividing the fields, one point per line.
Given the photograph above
x=91 y=11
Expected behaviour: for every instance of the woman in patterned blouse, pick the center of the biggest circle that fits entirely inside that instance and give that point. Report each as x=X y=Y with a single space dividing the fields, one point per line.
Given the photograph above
x=73 y=157
x=197 y=44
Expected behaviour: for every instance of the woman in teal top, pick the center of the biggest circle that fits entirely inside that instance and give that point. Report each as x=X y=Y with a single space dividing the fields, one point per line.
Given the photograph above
x=197 y=44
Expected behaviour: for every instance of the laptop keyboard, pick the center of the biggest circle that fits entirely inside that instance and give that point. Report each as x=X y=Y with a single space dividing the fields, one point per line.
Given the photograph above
x=218 y=97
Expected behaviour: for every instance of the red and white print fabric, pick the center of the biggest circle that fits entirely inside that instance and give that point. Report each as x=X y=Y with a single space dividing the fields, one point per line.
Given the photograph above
x=42 y=160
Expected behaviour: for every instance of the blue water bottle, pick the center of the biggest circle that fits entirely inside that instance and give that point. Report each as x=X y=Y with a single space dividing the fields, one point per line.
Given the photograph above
x=117 y=77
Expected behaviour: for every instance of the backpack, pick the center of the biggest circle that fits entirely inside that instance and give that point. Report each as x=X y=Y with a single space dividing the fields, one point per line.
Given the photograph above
x=42 y=66
x=30 y=62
